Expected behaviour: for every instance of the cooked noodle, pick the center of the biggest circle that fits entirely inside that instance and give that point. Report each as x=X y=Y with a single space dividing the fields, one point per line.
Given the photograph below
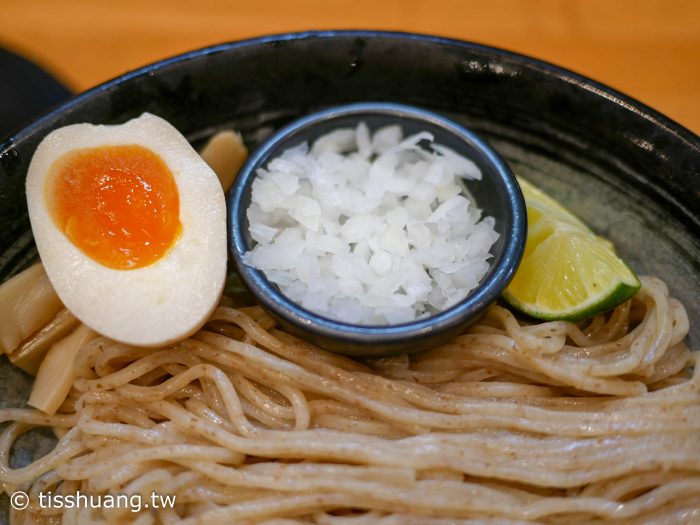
x=510 y=423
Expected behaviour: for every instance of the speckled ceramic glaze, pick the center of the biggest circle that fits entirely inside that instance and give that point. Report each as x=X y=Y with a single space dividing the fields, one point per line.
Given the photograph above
x=629 y=172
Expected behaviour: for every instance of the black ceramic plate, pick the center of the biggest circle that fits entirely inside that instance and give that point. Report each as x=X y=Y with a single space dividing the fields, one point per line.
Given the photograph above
x=629 y=172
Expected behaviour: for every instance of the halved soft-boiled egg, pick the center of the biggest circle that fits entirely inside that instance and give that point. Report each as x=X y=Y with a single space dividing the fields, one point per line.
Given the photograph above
x=130 y=224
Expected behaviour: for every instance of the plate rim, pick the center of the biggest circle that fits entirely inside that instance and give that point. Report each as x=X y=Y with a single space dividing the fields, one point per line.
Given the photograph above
x=599 y=89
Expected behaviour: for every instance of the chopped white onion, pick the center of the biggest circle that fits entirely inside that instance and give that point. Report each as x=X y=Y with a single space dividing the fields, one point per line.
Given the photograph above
x=370 y=228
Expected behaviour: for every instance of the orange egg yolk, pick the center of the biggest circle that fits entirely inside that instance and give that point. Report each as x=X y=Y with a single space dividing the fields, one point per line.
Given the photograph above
x=118 y=204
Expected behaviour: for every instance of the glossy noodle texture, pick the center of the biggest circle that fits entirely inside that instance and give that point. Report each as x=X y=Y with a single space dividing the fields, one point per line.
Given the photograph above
x=511 y=423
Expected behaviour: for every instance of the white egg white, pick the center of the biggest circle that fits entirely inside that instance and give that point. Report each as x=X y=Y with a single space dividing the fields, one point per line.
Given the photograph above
x=159 y=303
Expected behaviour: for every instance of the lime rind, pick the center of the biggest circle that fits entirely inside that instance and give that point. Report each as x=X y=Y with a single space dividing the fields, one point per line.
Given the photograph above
x=604 y=302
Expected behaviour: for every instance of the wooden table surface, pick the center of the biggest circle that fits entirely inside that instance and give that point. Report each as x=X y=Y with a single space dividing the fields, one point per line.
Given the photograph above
x=649 y=49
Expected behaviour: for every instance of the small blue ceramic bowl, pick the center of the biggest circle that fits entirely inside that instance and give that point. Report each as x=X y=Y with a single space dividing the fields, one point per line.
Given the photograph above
x=497 y=194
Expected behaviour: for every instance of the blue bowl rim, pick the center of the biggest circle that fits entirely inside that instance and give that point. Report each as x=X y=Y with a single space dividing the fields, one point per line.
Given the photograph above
x=479 y=299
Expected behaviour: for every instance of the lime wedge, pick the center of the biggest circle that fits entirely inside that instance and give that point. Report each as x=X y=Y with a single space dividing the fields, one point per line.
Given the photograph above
x=567 y=271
